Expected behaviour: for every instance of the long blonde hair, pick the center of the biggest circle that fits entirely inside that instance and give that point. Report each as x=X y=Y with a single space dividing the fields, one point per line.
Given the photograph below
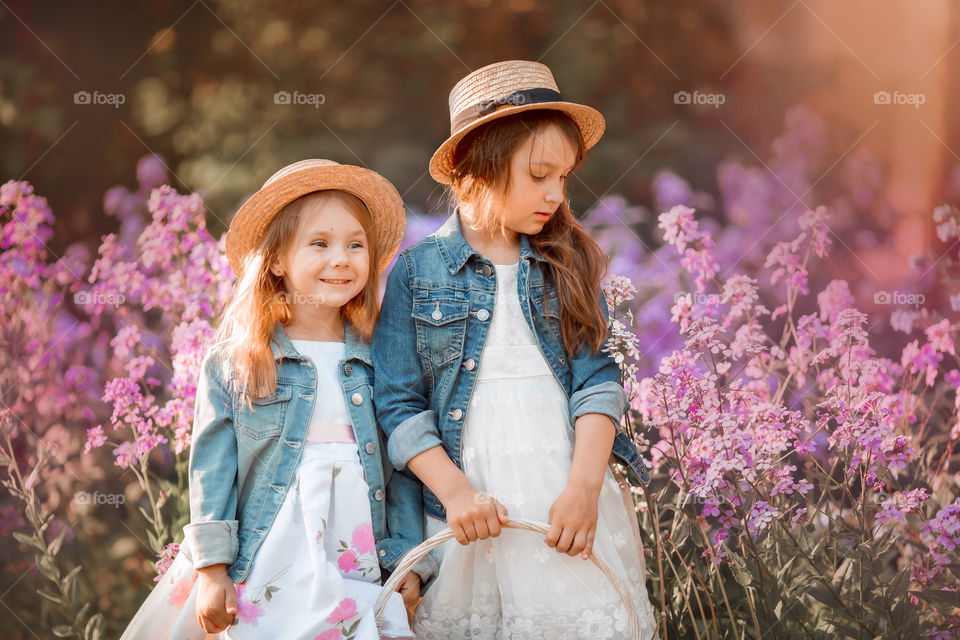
x=259 y=300
x=575 y=262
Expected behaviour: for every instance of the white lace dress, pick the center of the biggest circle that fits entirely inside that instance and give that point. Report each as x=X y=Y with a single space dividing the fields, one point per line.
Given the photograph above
x=518 y=447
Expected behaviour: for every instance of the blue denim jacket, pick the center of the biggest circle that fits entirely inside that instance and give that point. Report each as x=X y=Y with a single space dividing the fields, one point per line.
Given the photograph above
x=430 y=334
x=242 y=462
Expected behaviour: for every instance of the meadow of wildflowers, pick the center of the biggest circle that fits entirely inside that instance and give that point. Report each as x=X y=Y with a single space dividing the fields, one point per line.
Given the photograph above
x=802 y=437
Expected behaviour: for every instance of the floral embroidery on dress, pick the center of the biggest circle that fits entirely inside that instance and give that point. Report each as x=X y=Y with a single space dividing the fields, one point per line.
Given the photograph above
x=248 y=612
x=363 y=540
x=181 y=590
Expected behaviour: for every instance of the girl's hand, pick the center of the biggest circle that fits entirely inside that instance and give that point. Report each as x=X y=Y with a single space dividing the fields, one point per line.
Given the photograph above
x=472 y=515
x=216 y=598
x=409 y=588
x=573 y=521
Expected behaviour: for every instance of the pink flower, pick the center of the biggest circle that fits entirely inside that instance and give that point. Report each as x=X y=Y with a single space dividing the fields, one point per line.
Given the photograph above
x=165 y=559
x=363 y=541
x=95 y=438
x=247 y=611
x=347 y=561
x=344 y=611
x=330 y=634
x=181 y=590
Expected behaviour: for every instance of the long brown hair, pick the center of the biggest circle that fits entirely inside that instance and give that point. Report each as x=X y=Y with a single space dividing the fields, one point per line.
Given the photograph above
x=575 y=262
x=259 y=300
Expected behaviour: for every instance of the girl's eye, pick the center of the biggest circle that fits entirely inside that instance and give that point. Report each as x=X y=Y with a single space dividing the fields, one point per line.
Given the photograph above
x=318 y=243
x=356 y=245
x=537 y=178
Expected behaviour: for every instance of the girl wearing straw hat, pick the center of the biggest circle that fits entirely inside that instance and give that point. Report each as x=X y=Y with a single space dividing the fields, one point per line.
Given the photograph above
x=492 y=384
x=290 y=490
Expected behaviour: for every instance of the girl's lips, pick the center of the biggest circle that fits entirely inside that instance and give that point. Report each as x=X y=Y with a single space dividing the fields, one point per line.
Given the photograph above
x=335 y=282
x=542 y=214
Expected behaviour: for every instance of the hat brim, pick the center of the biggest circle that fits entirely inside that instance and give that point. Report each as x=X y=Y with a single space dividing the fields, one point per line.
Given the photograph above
x=380 y=197
x=588 y=120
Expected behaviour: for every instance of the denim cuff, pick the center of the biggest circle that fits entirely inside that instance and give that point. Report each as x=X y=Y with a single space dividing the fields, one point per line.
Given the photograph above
x=212 y=542
x=608 y=398
x=426 y=568
x=412 y=437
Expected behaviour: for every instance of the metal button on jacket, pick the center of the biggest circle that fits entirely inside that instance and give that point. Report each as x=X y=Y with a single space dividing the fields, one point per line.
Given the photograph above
x=487 y=270
x=348 y=369
x=370 y=448
x=483 y=315
x=457 y=414
x=356 y=399
x=378 y=496
x=470 y=364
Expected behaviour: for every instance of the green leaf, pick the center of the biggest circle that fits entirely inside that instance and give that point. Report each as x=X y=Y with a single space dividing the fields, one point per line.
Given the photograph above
x=54 y=547
x=899 y=584
x=71 y=587
x=49 y=596
x=63 y=631
x=95 y=628
x=825 y=596
x=29 y=540
x=78 y=619
x=48 y=568
x=944 y=601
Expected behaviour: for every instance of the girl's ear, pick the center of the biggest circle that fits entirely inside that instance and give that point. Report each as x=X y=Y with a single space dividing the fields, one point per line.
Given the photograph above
x=276 y=268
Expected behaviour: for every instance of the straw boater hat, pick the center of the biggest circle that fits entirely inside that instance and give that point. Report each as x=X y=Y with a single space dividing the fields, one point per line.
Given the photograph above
x=502 y=89
x=307 y=176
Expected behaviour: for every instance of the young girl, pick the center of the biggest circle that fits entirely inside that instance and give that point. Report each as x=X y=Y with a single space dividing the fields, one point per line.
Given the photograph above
x=293 y=507
x=492 y=385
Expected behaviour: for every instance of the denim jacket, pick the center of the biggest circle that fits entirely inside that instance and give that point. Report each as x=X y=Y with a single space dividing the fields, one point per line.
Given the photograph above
x=242 y=462
x=430 y=334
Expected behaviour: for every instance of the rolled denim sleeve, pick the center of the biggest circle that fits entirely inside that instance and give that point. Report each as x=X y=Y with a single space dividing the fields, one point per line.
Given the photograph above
x=596 y=386
x=399 y=387
x=212 y=535
x=405 y=524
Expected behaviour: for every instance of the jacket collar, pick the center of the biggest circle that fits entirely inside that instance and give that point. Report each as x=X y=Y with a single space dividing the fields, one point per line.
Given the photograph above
x=455 y=249
x=356 y=348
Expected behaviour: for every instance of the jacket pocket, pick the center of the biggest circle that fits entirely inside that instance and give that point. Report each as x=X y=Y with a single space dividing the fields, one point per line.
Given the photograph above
x=265 y=419
x=441 y=327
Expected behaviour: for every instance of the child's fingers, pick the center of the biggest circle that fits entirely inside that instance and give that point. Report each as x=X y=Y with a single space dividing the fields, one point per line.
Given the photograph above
x=566 y=539
x=231 y=601
x=458 y=534
x=588 y=549
x=493 y=526
x=501 y=511
x=470 y=531
x=579 y=542
x=482 y=531
x=553 y=534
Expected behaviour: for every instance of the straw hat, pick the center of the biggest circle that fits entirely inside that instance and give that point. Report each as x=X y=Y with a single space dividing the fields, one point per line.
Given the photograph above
x=502 y=89
x=306 y=176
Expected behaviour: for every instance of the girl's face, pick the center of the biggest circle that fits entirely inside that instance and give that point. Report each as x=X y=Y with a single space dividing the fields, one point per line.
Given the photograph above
x=329 y=261
x=539 y=170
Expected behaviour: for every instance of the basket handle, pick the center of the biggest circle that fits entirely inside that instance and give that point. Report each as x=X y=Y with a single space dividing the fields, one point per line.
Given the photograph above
x=418 y=552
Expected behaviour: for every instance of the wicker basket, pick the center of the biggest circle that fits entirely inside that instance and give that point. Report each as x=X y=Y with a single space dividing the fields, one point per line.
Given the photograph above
x=417 y=553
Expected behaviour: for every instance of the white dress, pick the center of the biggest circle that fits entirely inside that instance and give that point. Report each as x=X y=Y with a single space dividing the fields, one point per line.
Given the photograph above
x=316 y=574
x=518 y=448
